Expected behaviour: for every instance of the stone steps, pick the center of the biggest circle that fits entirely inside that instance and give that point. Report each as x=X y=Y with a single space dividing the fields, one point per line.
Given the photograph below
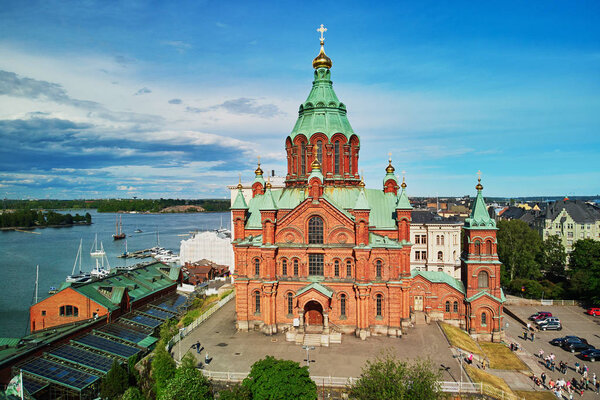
x=312 y=339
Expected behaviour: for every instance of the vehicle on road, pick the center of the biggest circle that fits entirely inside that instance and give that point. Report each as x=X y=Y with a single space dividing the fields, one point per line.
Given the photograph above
x=566 y=339
x=550 y=326
x=595 y=311
x=577 y=346
x=590 y=355
x=546 y=320
x=540 y=315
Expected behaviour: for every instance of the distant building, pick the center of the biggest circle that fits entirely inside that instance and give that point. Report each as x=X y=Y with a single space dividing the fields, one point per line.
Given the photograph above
x=436 y=243
x=204 y=270
x=571 y=220
x=211 y=245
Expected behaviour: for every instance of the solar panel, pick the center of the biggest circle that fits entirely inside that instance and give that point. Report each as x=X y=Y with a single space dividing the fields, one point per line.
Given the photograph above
x=59 y=373
x=33 y=385
x=83 y=357
x=123 y=333
x=173 y=303
x=158 y=313
x=144 y=320
x=108 y=345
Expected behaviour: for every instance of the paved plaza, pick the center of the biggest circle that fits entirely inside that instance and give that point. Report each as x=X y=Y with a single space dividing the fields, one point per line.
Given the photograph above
x=233 y=351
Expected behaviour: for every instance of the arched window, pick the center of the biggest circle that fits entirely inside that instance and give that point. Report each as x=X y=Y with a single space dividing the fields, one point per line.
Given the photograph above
x=257 y=302
x=379 y=300
x=320 y=151
x=483 y=279
x=447 y=306
x=256 y=266
x=477 y=247
x=440 y=256
x=378 y=268
x=336 y=268
x=343 y=305
x=349 y=269
x=350 y=161
x=488 y=247
x=290 y=303
x=302 y=158
x=296 y=267
x=442 y=240
x=437 y=240
x=336 y=159
x=455 y=307
x=483 y=319
x=315 y=230
x=284 y=267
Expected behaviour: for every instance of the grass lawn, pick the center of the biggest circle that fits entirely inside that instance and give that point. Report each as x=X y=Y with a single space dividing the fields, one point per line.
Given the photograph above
x=478 y=375
x=459 y=338
x=501 y=357
x=547 y=395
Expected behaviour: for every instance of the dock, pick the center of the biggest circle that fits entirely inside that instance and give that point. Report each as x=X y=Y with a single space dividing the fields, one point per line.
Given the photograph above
x=137 y=254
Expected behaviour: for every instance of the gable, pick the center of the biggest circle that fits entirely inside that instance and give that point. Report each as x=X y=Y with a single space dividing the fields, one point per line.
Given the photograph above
x=338 y=227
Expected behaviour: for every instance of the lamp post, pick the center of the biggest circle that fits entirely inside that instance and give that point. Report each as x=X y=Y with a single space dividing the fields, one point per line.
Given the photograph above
x=307 y=359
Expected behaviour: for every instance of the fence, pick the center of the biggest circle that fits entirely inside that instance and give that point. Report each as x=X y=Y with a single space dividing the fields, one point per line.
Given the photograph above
x=341 y=382
x=206 y=315
x=513 y=300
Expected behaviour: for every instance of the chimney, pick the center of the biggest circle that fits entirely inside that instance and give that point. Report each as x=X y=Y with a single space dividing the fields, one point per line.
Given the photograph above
x=272 y=172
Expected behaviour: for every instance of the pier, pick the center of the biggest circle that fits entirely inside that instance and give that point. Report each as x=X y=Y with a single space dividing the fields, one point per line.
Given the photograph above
x=137 y=254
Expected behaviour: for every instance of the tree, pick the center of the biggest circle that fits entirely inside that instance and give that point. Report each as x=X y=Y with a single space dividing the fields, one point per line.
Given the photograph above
x=188 y=361
x=133 y=393
x=146 y=382
x=115 y=382
x=88 y=218
x=163 y=367
x=273 y=379
x=585 y=270
x=553 y=258
x=518 y=248
x=388 y=378
x=188 y=383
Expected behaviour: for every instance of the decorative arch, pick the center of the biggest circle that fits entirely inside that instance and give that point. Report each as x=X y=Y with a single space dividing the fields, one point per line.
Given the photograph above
x=489 y=247
x=483 y=279
x=315 y=228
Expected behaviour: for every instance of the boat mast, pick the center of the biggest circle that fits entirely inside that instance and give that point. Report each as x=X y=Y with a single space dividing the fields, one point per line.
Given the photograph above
x=37 y=275
x=78 y=256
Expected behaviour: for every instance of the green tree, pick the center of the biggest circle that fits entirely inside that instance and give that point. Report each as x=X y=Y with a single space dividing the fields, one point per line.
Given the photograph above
x=553 y=258
x=585 y=270
x=188 y=383
x=273 y=379
x=188 y=361
x=388 y=378
x=115 y=382
x=163 y=367
x=145 y=381
x=133 y=393
x=237 y=392
x=88 y=218
x=518 y=249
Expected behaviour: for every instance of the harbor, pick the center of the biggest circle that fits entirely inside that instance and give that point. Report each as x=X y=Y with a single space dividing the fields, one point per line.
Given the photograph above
x=56 y=249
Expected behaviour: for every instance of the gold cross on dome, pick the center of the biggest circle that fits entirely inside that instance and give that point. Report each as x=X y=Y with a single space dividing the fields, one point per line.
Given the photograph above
x=479 y=176
x=259 y=161
x=322 y=29
x=390 y=156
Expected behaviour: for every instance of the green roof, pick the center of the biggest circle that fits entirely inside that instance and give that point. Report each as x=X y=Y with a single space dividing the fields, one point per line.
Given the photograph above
x=440 y=277
x=479 y=218
x=383 y=241
x=10 y=342
x=322 y=111
x=147 y=342
x=388 y=176
x=403 y=202
x=316 y=173
x=268 y=202
x=240 y=202
x=361 y=201
x=502 y=298
x=324 y=290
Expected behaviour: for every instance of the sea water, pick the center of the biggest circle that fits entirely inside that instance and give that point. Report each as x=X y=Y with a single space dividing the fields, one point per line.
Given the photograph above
x=55 y=249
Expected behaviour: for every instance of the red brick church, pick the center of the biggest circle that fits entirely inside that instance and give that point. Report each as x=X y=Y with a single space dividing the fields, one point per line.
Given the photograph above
x=325 y=254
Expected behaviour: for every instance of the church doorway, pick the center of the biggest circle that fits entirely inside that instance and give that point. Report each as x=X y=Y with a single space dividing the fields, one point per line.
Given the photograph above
x=313 y=313
x=418 y=303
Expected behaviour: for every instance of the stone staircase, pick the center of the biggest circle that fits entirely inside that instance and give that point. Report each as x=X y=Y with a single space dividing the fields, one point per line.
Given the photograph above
x=420 y=318
x=312 y=339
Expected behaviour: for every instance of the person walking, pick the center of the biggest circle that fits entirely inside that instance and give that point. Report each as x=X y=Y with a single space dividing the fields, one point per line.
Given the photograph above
x=577 y=366
x=532 y=336
x=598 y=387
x=543 y=376
x=525 y=335
x=541 y=354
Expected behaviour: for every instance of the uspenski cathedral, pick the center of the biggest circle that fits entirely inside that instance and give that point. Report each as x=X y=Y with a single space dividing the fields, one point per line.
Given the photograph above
x=325 y=255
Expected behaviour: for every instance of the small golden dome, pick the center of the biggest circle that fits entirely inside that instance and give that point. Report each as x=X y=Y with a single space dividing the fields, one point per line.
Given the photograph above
x=268 y=185
x=315 y=164
x=258 y=171
x=239 y=186
x=362 y=182
x=403 y=185
x=322 y=61
x=390 y=168
x=479 y=185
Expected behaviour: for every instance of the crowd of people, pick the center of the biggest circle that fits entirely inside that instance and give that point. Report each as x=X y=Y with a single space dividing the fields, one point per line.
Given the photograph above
x=562 y=387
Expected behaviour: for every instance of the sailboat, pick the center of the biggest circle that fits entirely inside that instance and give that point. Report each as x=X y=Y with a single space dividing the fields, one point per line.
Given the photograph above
x=94 y=252
x=100 y=271
x=119 y=234
x=81 y=276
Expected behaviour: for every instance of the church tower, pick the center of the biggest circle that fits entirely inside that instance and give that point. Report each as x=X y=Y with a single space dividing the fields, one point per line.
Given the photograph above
x=322 y=132
x=481 y=271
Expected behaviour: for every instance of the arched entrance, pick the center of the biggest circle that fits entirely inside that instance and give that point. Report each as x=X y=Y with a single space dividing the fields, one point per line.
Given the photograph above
x=313 y=313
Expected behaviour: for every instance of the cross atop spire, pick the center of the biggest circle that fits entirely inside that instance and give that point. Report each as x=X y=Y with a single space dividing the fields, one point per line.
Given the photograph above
x=479 y=176
x=479 y=185
x=322 y=30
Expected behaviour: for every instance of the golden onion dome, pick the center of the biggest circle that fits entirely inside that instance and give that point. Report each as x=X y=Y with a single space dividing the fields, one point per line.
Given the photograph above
x=268 y=185
x=390 y=168
x=315 y=164
x=403 y=185
x=479 y=185
x=322 y=61
x=239 y=186
x=258 y=171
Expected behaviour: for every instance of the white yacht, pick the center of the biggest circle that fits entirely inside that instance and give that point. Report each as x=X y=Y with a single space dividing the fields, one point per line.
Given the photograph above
x=95 y=252
x=80 y=277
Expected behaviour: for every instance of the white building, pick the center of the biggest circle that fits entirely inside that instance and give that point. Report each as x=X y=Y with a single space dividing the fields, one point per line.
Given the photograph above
x=214 y=246
x=436 y=243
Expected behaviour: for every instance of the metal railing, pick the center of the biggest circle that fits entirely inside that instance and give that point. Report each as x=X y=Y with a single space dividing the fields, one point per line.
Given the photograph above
x=183 y=332
x=342 y=382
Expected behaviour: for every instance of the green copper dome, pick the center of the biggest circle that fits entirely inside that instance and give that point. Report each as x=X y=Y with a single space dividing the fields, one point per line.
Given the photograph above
x=322 y=111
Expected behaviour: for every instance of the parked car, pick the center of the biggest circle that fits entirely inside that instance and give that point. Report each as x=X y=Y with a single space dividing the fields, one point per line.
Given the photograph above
x=595 y=311
x=565 y=339
x=590 y=355
x=550 y=326
x=577 y=346
x=545 y=320
x=540 y=315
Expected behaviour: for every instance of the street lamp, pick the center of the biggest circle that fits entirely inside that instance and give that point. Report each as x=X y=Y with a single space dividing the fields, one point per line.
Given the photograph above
x=307 y=359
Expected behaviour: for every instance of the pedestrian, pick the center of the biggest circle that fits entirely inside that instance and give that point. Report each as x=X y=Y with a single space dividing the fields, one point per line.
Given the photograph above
x=470 y=358
x=543 y=376
x=552 y=365
x=541 y=354
x=594 y=380
x=598 y=387
x=566 y=367
x=532 y=336
x=577 y=366
x=585 y=372
x=525 y=335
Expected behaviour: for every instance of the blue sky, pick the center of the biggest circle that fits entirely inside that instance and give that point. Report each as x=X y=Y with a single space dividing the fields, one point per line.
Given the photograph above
x=175 y=99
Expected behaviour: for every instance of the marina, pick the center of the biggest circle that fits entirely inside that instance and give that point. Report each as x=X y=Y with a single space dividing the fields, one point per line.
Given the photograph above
x=56 y=249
